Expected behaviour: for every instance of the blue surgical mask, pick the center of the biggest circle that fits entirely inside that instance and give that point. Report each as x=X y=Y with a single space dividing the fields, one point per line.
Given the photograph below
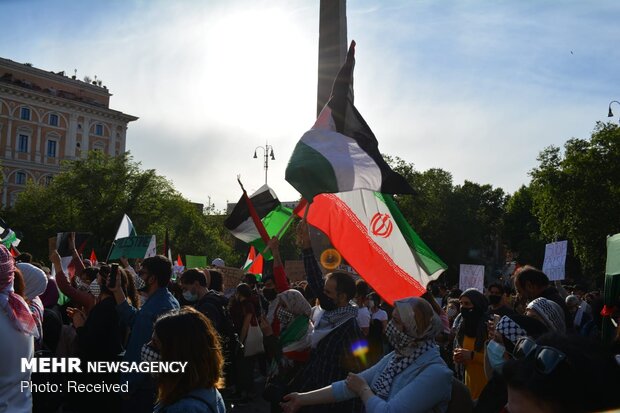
x=495 y=354
x=189 y=296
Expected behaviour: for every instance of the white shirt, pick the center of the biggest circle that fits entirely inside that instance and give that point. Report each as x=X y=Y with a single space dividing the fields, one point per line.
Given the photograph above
x=363 y=317
x=13 y=346
x=380 y=315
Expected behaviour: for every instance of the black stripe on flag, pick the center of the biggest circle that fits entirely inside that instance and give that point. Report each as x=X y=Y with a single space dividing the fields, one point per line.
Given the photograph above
x=264 y=201
x=350 y=122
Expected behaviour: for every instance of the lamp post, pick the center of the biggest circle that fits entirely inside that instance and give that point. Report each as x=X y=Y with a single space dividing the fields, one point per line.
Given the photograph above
x=268 y=153
x=611 y=114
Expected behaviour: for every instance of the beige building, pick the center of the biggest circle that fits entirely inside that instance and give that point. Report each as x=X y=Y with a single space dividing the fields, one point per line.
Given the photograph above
x=47 y=117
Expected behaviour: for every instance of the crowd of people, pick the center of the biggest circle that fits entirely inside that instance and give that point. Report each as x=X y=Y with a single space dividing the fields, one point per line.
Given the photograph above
x=327 y=344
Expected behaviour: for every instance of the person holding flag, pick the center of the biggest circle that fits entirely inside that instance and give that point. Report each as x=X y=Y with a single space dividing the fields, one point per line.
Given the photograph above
x=336 y=332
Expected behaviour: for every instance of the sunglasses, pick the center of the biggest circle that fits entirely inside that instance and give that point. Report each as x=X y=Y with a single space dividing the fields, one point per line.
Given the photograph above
x=546 y=358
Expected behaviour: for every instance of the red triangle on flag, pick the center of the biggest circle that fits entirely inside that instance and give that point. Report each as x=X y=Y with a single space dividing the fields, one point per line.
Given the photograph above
x=179 y=262
x=93 y=257
x=14 y=253
x=257 y=264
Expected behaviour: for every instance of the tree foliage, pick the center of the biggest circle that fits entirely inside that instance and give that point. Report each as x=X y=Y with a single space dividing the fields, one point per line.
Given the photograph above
x=461 y=223
x=576 y=194
x=92 y=194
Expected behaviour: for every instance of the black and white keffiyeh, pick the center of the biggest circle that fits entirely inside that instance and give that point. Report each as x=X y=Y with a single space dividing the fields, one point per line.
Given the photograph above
x=550 y=312
x=510 y=329
x=382 y=386
x=335 y=318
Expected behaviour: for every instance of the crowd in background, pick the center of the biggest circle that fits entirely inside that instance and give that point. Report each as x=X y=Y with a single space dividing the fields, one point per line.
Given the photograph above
x=326 y=344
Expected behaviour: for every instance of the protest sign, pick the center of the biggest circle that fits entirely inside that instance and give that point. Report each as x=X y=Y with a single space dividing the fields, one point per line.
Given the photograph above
x=555 y=258
x=195 y=261
x=131 y=247
x=471 y=276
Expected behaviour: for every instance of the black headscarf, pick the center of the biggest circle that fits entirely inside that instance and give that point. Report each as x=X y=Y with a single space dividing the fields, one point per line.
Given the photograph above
x=474 y=325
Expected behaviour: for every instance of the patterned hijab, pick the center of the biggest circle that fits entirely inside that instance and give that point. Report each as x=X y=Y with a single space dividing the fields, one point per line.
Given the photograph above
x=513 y=327
x=551 y=314
x=12 y=304
x=422 y=325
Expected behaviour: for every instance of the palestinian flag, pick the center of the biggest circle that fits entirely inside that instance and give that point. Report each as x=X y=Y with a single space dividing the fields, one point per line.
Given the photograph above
x=340 y=153
x=7 y=236
x=254 y=262
x=270 y=212
x=372 y=235
x=125 y=229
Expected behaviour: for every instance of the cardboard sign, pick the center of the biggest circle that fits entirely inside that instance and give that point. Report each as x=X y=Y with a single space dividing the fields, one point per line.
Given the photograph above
x=295 y=270
x=131 y=247
x=471 y=276
x=555 y=260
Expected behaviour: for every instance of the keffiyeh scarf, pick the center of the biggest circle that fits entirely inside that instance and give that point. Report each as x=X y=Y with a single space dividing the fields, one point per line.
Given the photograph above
x=383 y=384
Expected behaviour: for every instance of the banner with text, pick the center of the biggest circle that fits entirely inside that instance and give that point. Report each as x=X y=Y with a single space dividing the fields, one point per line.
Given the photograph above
x=555 y=260
x=471 y=276
x=131 y=247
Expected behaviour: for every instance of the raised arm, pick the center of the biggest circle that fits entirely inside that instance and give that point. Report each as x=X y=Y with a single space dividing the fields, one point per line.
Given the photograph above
x=79 y=298
x=278 y=268
x=314 y=275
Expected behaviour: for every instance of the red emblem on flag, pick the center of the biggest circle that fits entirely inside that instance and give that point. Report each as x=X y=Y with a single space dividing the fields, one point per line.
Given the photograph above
x=381 y=225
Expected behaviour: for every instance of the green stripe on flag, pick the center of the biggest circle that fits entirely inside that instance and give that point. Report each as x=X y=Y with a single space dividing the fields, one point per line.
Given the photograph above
x=425 y=256
x=307 y=162
x=273 y=222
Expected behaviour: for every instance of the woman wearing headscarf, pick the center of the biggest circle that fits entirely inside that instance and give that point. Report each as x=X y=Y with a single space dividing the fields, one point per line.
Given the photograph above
x=35 y=283
x=549 y=313
x=290 y=350
x=470 y=329
x=413 y=378
x=17 y=329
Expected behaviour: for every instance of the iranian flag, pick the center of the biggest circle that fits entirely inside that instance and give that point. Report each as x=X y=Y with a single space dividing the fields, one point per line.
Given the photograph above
x=268 y=210
x=372 y=235
x=340 y=153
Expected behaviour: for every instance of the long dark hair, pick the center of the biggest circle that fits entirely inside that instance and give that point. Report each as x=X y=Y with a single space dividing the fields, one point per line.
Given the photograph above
x=127 y=284
x=202 y=353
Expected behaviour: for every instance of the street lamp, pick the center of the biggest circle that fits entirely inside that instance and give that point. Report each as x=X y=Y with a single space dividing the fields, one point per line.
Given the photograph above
x=611 y=114
x=268 y=153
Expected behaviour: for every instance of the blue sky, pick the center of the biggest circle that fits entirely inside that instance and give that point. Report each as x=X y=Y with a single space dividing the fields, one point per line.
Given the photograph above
x=477 y=88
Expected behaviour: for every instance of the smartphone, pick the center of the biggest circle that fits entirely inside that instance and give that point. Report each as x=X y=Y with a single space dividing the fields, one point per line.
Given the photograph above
x=496 y=318
x=113 y=273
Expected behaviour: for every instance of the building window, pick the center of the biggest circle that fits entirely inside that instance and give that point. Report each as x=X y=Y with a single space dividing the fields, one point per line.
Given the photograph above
x=48 y=180
x=22 y=143
x=25 y=114
x=99 y=129
x=20 y=178
x=51 y=149
x=53 y=120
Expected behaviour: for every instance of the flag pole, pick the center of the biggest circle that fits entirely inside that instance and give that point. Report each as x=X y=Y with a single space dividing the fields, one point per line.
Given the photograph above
x=110 y=252
x=286 y=224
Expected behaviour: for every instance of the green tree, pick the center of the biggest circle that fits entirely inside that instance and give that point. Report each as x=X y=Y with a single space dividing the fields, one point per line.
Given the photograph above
x=576 y=194
x=92 y=194
x=462 y=223
x=521 y=229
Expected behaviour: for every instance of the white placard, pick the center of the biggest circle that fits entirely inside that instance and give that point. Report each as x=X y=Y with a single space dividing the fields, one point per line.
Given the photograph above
x=471 y=276
x=555 y=260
